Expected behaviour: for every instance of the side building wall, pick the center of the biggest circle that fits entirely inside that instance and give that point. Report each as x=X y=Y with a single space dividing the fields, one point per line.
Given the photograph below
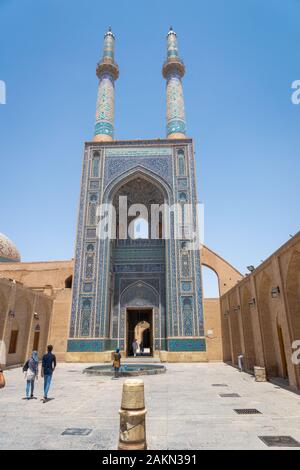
x=25 y=317
x=53 y=280
x=261 y=315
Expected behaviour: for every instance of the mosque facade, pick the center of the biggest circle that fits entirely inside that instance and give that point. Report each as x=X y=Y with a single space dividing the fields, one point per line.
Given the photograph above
x=123 y=280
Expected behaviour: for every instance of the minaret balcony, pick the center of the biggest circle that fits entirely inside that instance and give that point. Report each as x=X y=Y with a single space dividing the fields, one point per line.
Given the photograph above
x=107 y=66
x=173 y=64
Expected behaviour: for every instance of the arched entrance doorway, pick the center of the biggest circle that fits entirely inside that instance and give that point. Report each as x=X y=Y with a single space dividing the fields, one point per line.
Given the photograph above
x=140 y=311
x=140 y=329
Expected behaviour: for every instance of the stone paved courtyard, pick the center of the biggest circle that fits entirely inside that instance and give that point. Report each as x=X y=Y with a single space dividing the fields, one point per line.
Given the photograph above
x=185 y=411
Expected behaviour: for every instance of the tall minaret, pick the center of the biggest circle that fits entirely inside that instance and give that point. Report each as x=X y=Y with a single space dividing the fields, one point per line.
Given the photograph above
x=107 y=71
x=173 y=71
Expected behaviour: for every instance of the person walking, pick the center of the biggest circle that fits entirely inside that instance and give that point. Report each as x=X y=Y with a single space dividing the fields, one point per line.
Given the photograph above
x=48 y=366
x=117 y=362
x=135 y=346
x=31 y=367
x=2 y=379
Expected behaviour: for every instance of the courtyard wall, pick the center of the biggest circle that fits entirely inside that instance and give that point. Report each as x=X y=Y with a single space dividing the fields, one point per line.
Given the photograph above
x=261 y=315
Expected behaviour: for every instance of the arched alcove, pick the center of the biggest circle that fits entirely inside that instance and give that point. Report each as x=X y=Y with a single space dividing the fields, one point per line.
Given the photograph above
x=36 y=338
x=68 y=282
x=19 y=322
x=293 y=299
x=14 y=336
x=248 y=334
x=293 y=293
x=134 y=203
x=282 y=349
x=235 y=327
x=137 y=256
x=266 y=321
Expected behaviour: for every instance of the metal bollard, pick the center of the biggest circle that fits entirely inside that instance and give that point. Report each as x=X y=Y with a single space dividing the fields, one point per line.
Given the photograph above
x=241 y=362
x=133 y=417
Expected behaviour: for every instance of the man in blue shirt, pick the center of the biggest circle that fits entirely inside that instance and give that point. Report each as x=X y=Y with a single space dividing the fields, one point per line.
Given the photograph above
x=48 y=366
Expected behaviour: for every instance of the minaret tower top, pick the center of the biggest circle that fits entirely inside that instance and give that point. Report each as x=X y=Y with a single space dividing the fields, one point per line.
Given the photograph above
x=107 y=71
x=173 y=71
x=107 y=63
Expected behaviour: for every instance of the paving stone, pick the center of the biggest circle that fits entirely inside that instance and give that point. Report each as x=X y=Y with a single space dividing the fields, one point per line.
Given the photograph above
x=184 y=410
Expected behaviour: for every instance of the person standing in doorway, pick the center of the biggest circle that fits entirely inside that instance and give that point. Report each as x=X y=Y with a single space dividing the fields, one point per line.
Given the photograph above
x=117 y=362
x=135 y=346
x=31 y=368
x=48 y=366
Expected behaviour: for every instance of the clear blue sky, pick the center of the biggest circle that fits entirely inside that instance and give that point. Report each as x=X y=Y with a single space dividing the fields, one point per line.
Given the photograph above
x=241 y=58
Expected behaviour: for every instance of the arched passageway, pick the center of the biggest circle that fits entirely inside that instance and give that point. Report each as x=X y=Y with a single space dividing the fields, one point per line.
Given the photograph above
x=210 y=283
x=218 y=276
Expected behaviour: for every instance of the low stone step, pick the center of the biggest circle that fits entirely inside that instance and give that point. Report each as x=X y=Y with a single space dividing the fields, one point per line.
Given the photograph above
x=141 y=359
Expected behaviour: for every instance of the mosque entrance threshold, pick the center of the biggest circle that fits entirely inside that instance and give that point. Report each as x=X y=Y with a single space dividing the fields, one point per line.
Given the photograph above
x=139 y=323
